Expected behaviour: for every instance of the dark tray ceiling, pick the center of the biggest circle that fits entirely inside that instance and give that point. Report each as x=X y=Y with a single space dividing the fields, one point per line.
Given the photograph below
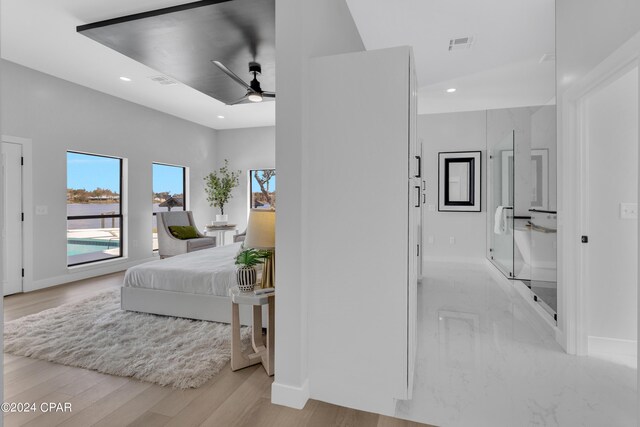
x=181 y=42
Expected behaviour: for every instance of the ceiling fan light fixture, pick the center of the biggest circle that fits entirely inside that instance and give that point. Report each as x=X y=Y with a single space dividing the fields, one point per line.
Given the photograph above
x=254 y=97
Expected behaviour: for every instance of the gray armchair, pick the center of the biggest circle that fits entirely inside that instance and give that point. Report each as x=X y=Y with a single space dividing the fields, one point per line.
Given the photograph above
x=240 y=237
x=168 y=245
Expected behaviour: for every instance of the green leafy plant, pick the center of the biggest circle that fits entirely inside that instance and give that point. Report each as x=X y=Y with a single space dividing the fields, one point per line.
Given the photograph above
x=219 y=184
x=251 y=257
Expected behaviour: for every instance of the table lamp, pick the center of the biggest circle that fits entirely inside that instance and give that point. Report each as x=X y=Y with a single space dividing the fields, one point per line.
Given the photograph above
x=261 y=234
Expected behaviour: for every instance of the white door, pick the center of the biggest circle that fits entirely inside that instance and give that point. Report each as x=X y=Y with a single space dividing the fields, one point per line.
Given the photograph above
x=12 y=227
x=610 y=268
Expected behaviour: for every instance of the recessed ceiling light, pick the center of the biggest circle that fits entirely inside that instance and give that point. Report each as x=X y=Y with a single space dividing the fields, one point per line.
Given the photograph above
x=451 y=90
x=221 y=117
x=125 y=79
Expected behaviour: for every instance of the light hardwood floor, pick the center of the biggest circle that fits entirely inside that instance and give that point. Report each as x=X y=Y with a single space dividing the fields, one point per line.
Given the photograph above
x=241 y=398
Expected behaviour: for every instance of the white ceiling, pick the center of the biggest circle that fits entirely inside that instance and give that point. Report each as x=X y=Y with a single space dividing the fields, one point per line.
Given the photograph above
x=501 y=70
x=41 y=34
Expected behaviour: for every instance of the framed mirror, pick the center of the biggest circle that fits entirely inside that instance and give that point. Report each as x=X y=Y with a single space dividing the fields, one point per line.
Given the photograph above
x=539 y=178
x=459 y=181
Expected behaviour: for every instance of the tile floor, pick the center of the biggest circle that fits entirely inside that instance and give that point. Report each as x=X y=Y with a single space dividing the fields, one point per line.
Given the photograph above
x=486 y=359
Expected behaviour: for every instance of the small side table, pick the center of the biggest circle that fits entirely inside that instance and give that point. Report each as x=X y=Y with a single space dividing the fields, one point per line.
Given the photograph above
x=262 y=351
x=219 y=232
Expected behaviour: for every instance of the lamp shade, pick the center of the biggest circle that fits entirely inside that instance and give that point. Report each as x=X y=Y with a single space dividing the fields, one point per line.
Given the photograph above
x=261 y=230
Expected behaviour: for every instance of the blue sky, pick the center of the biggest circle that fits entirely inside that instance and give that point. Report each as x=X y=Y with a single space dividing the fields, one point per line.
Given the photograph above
x=167 y=178
x=90 y=172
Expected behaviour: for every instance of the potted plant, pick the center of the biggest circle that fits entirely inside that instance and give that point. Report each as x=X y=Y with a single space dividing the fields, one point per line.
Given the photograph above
x=218 y=185
x=246 y=274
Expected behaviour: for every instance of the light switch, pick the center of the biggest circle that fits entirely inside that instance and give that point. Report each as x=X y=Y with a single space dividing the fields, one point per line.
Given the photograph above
x=628 y=210
x=431 y=239
x=42 y=210
x=431 y=208
x=452 y=240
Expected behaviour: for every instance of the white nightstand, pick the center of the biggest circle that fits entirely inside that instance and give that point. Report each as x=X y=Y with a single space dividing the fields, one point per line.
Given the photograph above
x=219 y=231
x=263 y=351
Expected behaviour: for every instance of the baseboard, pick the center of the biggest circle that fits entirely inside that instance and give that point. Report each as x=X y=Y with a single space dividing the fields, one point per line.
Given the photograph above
x=620 y=351
x=453 y=259
x=286 y=395
x=85 y=273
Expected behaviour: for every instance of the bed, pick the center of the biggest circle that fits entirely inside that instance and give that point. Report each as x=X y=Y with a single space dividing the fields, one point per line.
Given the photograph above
x=194 y=285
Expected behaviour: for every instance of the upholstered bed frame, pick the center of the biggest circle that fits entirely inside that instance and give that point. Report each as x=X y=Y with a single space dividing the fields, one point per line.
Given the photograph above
x=180 y=304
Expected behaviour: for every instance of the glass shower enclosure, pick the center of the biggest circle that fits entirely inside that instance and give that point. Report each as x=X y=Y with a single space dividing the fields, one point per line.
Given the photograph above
x=501 y=201
x=521 y=216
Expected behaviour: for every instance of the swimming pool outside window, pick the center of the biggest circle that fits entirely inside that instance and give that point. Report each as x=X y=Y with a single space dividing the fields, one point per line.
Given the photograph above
x=94 y=208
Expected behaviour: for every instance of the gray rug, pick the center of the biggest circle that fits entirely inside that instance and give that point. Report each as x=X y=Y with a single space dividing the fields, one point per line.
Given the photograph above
x=96 y=334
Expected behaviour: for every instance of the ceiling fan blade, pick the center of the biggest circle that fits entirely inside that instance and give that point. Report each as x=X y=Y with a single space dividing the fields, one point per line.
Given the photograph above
x=239 y=101
x=249 y=32
x=232 y=74
x=269 y=94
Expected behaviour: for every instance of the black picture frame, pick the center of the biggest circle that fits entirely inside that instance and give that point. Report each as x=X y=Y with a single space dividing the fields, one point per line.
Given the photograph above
x=471 y=197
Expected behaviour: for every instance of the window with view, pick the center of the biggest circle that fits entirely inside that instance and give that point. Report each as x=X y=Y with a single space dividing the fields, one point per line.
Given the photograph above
x=168 y=192
x=262 y=194
x=94 y=208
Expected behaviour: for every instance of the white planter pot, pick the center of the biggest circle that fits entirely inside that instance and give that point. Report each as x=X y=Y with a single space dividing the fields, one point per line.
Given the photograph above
x=222 y=218
x=246 y=278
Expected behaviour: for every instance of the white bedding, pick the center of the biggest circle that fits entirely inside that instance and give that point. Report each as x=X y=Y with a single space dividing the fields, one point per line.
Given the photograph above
x=209 y=272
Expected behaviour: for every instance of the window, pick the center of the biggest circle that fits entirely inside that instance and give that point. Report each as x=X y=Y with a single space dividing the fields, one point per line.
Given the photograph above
x=262 y=191
x=168 y=192
x=94 y=208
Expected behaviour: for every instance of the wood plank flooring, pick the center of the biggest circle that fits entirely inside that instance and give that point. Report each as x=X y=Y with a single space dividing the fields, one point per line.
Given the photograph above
x=230 y=399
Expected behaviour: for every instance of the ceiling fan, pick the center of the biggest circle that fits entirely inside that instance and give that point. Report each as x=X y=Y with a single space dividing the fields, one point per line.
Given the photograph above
x=254 y=91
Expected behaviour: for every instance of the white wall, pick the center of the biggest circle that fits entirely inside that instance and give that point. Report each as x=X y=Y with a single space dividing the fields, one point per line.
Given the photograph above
x=59 y=116
x=452 y=132
x=612 y=132
x=2 y=76
x=589 y=31
x=479 y=131
x=610 y=24
x=304 y=29
x=252 y=148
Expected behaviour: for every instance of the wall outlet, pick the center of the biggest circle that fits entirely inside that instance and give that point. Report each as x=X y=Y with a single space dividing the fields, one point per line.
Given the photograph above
x=42 y=210
x=628 y=211
x=431 y=239
x=452 y=240
x=135 y=243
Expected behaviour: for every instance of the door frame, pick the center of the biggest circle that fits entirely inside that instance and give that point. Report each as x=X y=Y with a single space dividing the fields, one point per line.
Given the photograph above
x=27 y=207
x=573 y=179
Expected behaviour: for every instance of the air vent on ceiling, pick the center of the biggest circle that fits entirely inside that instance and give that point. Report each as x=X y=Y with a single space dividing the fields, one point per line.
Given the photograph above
x=460 y=43
x=163 y=80
x=548 y=57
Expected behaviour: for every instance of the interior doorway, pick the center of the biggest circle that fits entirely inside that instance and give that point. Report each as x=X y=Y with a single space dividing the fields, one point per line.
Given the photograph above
x=610 y=218
x=12 y=228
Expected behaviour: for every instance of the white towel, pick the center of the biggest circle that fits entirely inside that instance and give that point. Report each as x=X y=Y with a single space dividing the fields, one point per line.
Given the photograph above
x=500 y=223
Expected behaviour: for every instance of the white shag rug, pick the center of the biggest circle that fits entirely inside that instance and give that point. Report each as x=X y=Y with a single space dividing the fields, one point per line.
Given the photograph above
x=96 y=334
